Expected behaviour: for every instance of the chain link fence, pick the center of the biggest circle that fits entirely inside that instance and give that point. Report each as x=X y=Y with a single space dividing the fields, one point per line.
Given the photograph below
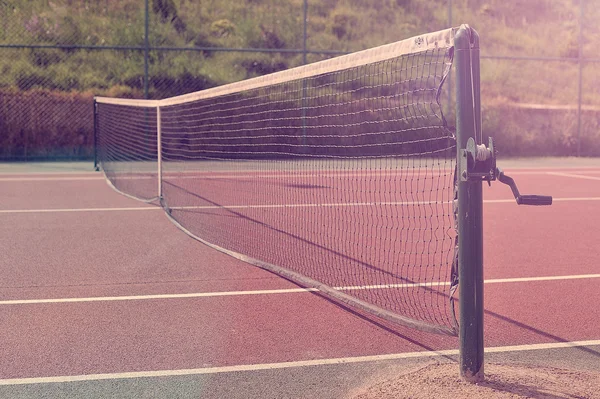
x=540 y=77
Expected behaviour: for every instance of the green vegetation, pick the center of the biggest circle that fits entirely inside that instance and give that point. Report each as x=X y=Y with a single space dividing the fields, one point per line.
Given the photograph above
x=275 y=24
x=509 y=28
x=544 y=28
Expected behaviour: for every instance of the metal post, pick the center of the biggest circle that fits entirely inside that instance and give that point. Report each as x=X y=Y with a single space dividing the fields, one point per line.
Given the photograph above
x=159 y=151
x=470 y=209
x=146 y=47
x=96 y=168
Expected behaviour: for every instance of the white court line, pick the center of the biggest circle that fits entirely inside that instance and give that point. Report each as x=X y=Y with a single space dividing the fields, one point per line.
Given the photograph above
x=316 y=175
x=575 y=199
x=219 y=207
x=282 y=291
x=573 y=175
x=547 y=171
x=341 y=204
x=147 y=208
x=326 y=205
x=158 y=296
x=286 y=365
x=565 y=199
x=28 y=179
x=279 y=176
x=578 y=172
x=447 y=283
x=41 y=173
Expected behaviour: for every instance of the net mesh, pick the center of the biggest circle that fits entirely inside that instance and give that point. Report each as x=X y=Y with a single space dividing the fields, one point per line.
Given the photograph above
x=128 y=148
x=340 y=180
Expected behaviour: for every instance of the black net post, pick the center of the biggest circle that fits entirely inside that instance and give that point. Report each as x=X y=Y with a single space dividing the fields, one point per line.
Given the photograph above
x=470 y=208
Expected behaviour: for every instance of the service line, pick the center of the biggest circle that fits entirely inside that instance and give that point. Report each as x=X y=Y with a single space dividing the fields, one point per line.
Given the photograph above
x=307 y=205
x=283 y=291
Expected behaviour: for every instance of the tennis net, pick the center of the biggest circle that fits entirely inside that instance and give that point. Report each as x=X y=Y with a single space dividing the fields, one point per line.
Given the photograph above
x=127 y=147
x=337 y=175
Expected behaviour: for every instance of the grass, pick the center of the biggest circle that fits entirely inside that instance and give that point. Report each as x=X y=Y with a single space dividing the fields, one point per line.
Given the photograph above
x=545 y=28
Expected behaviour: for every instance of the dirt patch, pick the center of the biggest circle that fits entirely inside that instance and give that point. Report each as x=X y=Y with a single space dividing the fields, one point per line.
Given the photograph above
x=441 y=381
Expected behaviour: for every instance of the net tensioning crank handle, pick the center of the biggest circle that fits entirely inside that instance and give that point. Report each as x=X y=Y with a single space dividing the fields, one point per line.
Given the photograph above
x=534 y=200
x=522 y=199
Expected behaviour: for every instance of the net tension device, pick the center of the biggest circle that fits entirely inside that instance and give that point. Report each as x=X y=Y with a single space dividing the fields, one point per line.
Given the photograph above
x=478 y=162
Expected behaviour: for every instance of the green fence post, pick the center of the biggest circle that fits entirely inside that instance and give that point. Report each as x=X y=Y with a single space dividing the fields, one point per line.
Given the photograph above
x=470 y=208
x=304 y=31
x=146 y=47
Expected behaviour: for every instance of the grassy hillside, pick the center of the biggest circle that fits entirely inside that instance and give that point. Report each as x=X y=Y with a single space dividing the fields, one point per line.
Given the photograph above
x=270 y=24
x=508 y=28
x=527 y=28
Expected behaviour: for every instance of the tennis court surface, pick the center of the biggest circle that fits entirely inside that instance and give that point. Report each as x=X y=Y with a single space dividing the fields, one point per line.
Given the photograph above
x=102 y=296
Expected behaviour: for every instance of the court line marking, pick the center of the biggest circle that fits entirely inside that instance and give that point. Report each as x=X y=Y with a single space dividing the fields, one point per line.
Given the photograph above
x=309 y=205
x=495 y=201
x=576 y=176
x=89 y=171
x=338 y=175
x=351 y=204
x=145 y=208
x=28 y=179
x=280 y=291
x=554 y=199
x=285 y=365
x=303 y=174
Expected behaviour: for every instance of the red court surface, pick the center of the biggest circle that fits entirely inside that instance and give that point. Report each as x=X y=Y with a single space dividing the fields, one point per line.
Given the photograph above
x=102 y=296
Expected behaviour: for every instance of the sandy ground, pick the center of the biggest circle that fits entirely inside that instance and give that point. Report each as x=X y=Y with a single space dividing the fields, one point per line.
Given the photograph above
x=441 y=381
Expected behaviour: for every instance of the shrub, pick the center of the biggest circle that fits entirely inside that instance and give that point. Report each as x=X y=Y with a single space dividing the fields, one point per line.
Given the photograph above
x=60 y=126
x=222 y=28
